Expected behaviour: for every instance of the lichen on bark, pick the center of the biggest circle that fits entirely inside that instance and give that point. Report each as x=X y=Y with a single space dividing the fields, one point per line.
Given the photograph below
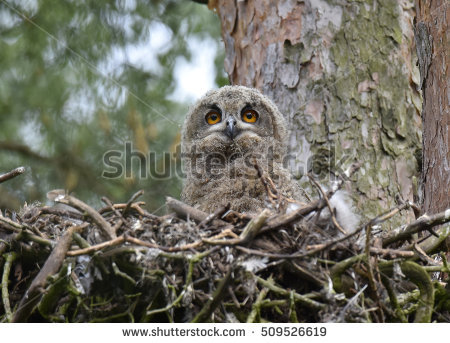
x=344 y=75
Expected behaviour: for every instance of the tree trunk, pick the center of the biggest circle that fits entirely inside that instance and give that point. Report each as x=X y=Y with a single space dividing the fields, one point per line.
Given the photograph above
x=343 y=74
x=433 y=46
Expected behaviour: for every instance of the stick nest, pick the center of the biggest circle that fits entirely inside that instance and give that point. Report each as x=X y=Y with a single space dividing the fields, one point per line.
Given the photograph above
x=73 y=263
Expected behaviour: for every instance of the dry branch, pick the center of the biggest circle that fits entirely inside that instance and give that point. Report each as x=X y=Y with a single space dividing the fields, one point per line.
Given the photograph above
x=83 y=207
x=12 y=174
x=51 y=266
x=5 y=280
x=423 y=223
x=188 y=212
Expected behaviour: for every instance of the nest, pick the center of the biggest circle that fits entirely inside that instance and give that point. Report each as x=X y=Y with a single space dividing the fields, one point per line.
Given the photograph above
x=72 y=263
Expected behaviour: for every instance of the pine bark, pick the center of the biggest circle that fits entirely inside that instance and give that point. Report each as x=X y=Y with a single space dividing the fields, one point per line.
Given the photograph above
x=432 y=38
x=344 y=75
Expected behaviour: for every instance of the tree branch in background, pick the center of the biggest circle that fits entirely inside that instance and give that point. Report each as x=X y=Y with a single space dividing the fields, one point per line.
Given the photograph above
x=62 y=161
x=23 y=150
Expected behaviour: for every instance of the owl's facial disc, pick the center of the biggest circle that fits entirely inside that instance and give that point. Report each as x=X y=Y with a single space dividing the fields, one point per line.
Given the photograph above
x=227 y=126
x=233 y=124
x=233 y=127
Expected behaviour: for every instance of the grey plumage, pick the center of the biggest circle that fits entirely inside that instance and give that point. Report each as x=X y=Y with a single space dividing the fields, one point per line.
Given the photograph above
x=220 y=146
x=219 y=166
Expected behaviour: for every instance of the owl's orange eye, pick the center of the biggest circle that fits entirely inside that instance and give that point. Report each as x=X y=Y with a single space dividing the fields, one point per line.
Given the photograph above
x=249 y=116
x=213 y=117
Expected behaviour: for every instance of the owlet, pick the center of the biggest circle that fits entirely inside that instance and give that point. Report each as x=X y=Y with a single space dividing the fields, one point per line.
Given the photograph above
x=224 y=135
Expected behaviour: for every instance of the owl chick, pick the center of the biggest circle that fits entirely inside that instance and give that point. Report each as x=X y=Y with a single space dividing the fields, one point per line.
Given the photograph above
x=224 y=135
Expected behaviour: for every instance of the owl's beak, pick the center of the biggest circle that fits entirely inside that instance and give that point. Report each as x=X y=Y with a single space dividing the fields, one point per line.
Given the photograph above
x=230 y=129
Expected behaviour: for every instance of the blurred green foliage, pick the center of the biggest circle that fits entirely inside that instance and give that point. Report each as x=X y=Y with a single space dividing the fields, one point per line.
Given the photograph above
x=70 y=92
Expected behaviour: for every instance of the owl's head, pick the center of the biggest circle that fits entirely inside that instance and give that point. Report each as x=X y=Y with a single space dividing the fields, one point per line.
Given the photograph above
x=234 y=118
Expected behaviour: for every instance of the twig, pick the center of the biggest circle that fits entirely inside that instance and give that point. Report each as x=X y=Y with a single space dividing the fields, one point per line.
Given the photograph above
x=286 y=219
x=444 y=260
x=307 y=275
x=217 y=297
x=438 y=266
x=196 y=258
x=256 y=307
x=185 y=211
x=339 y=268
x=12 y=174
x=51 y=266
x=430 y=243
x=423 y=255
x=121 y=219
x=126 y=238
x=316 y=205
x=370 y=273
x=61 y=212
x=268 y=184
x=423 y=223
x=266 y=254
x=391 y=253
x=388 y=214
x=393 y=298
x=190 y=246
x=131 y=201
x=420 y=277
x=163 y=248
x=11 y=225
x=111 y=207
x=292 y=308
x=233 y=297
x=97 y=247
x=25 y=234
x=82 y=243
x=22 y=231
x=349 y=304
x=80 y=205
x=5 y=279
x=324 y=195
x=298 y=297
x=137 y=207
x=123 y=275
x=217 y=214
x=250 y=231
x=118 y=207
x=377 y=220
x=369 y=261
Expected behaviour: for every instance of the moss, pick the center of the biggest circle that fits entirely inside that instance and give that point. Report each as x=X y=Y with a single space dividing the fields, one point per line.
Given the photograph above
x=374 y=124
x=388 y=19
x=297 y=53
x=366 y=48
